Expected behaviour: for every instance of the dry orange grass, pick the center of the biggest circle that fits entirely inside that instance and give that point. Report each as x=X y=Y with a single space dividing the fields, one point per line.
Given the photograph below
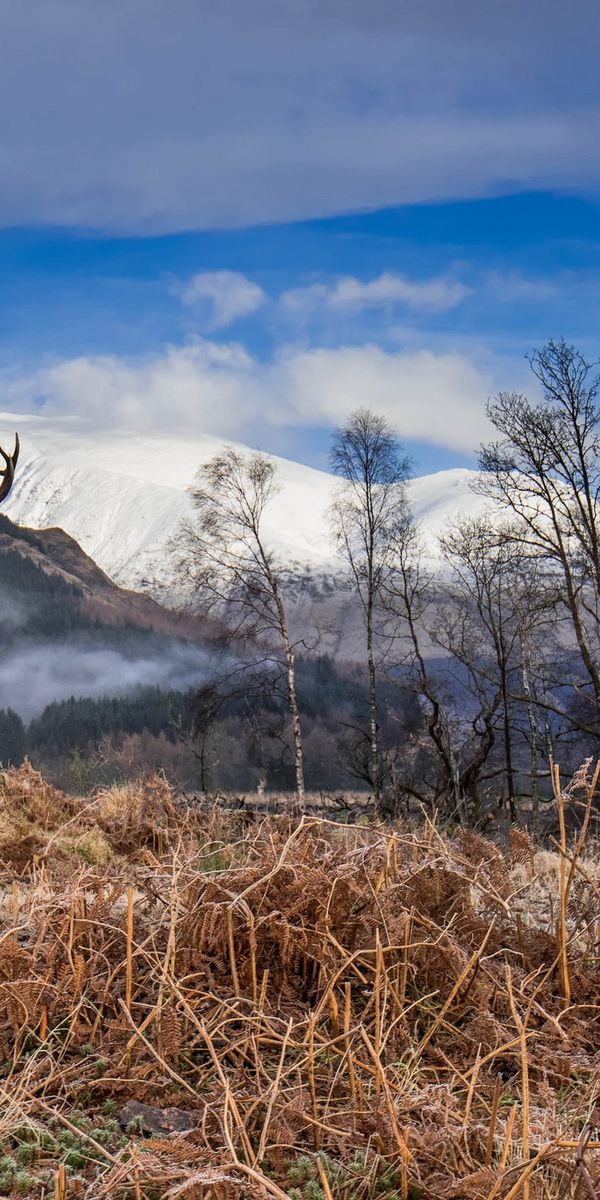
x=344 y=1013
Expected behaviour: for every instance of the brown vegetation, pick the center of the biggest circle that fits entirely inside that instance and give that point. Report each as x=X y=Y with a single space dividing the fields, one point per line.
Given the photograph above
x=204 y=1003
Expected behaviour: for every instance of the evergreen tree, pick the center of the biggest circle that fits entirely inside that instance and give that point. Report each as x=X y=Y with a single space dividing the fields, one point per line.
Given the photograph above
x=12 y=738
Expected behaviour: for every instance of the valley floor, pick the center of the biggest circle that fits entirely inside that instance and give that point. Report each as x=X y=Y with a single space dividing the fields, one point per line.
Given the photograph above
x=199 y=1002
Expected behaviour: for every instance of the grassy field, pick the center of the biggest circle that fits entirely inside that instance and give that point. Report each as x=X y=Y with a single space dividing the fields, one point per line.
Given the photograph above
x=217 y=1004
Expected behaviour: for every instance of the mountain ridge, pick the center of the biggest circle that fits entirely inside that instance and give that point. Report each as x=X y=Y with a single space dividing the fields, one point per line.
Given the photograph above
x=122 y=495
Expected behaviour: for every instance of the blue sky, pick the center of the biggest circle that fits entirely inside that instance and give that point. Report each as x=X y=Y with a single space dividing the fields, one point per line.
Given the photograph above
x=247 y=222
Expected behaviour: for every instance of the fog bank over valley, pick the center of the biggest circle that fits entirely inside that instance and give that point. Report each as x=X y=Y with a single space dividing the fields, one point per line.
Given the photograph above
x=35 y=675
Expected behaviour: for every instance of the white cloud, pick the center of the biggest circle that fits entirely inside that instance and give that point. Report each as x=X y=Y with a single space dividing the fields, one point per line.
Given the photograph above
x=434 y=295
x=196 y=386
x=208 y=388
x=437 y=398
x=224 y=295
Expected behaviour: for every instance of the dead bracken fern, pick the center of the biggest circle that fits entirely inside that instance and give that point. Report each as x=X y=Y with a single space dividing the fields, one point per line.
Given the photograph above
x=294 y=1009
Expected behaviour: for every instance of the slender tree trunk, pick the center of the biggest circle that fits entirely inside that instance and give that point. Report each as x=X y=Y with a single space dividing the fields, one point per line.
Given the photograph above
x=203 y=770
x=290 y=660
x=457 y=790
x=296 y=727
x=435 y=724
x=510 y=776
x=373 y=730
x=470 y=777
x=548 y=737
x=533 y=736
x=579 y=627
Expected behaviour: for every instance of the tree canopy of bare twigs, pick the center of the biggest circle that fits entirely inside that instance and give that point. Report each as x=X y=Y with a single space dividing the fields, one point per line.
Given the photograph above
x=544 y=467
x=492 y=622
x=366 y=514
x=233 y=573
x=460 y=640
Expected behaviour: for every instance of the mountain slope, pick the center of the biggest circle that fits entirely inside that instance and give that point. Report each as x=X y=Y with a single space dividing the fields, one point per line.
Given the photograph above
x=56 y=557
x=122 y=496
x=67 y=630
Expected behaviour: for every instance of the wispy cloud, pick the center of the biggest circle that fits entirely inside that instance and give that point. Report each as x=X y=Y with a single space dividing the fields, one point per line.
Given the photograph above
x=513 y=286
x=222 y=297
x=385 y=291
x=169 y=117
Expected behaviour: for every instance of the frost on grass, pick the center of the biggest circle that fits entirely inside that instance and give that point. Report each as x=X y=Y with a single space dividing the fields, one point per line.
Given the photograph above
x=355 y=1012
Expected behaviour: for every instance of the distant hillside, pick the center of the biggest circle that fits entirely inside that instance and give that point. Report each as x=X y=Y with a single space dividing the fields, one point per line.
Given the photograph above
x=52 y=562
x=67 y=630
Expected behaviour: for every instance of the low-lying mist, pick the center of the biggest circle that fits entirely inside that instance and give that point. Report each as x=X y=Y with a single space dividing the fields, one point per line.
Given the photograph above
x=34 y=675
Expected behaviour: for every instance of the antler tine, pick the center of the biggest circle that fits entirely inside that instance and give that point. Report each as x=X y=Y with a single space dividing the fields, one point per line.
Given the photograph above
x=7 y=474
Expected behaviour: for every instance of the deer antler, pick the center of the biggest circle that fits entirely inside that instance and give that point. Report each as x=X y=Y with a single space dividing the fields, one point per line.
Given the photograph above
x=7 y=474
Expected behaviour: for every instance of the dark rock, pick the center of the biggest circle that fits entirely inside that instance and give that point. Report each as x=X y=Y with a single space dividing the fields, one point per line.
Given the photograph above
x=157 y=1120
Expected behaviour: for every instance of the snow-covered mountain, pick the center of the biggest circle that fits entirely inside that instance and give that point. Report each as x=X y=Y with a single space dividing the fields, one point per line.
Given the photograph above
x=121 y=495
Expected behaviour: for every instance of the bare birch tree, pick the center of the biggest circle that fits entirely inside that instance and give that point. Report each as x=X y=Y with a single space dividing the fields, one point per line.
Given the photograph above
x=497 y=608
x=367 y=512
x=460 y=694
x=225 y=556
x=409 y=596
x=545 y=469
